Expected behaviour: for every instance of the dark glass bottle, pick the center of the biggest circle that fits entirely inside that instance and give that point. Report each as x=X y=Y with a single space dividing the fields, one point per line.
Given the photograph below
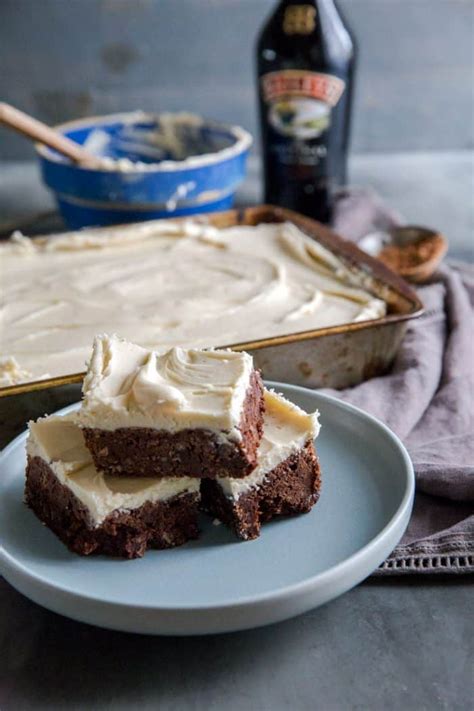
x=305 y=67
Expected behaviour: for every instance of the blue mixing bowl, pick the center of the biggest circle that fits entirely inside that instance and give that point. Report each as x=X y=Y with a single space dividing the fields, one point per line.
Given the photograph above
x=143 y=173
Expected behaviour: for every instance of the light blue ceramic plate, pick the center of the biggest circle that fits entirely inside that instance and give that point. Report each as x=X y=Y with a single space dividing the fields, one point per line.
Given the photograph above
x=218 y=584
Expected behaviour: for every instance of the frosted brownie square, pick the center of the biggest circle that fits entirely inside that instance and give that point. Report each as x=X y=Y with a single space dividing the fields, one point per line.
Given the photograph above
x=95 y=513
x=185 y=412
x=287 y=478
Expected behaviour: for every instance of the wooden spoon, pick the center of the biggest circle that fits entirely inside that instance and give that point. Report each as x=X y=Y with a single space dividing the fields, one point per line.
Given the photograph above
x=413 y=252
x=38 y=131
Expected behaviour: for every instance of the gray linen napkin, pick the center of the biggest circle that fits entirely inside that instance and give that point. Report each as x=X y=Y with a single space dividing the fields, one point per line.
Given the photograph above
x=428 y=400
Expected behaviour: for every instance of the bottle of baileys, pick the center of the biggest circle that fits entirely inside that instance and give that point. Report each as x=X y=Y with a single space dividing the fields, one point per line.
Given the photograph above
x=305 y=66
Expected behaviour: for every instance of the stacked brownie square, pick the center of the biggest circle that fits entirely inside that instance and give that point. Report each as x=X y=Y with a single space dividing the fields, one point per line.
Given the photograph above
x=158 y=433
x=287 y=477
x=92 y=512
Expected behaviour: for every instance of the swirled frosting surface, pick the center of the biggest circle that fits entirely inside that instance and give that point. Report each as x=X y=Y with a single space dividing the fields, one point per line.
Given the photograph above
x=130 y=386
x=162 y=284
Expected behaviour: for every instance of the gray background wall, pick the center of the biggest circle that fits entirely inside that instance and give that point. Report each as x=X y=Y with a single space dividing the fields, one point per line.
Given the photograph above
x=60 y=59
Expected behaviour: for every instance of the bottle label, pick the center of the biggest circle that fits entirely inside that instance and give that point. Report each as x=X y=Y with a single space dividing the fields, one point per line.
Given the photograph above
x=303 y=130
x=299 y=20
x=300 y=102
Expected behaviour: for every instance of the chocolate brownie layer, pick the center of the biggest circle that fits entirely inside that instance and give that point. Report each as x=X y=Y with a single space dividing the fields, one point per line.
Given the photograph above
x=127 y=534
x=142 y=451
x=291 y=488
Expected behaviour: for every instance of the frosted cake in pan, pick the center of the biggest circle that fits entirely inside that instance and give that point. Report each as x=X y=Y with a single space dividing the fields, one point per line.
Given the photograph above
x=166 y=283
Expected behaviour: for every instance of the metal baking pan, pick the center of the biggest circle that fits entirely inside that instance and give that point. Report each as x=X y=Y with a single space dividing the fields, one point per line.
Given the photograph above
x=335 y=357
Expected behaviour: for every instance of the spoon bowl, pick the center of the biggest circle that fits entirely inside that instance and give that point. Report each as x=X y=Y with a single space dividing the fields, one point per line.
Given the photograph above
x=411 y=251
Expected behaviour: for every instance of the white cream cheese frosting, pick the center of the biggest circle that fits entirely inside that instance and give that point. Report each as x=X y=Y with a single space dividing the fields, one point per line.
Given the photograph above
x=167 y=283
x=11 y=372
x=286 y=430
x=59 y=442
x=130 y=386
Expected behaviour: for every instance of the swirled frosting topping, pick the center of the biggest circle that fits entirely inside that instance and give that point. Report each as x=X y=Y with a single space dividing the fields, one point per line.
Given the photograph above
x=130 y=386
x=165 y=283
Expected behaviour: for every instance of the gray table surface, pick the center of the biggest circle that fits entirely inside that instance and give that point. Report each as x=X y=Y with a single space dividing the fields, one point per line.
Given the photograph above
x=399 y=643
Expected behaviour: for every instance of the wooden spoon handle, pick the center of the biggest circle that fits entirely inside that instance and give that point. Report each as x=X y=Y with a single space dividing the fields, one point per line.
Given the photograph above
x=38 y=131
